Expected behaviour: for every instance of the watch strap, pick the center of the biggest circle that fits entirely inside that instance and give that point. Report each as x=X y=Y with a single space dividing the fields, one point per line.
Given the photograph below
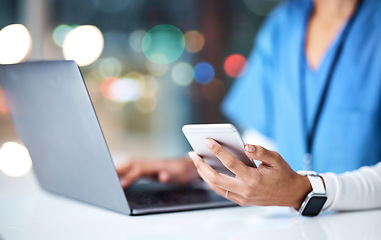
x=317 y=184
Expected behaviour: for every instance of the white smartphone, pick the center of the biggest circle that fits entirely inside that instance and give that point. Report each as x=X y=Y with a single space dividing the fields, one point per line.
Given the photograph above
x=225 y=134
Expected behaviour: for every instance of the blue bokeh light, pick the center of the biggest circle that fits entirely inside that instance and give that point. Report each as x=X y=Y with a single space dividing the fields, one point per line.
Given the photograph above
x=204 y=73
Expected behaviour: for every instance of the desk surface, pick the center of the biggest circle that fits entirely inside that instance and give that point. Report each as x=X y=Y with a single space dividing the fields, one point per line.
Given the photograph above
x=27 y=212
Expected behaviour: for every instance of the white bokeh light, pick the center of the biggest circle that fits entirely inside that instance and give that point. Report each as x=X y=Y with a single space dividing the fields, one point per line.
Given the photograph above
x=109 y=67
x=156 y=70
x=125 y=90
x=136 y=39
x=15 y=44
x=182 y=74
x=83 y=44
x=14 y=159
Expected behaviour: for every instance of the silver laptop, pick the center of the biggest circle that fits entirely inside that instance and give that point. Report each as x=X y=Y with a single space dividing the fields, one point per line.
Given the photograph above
x=55 y=119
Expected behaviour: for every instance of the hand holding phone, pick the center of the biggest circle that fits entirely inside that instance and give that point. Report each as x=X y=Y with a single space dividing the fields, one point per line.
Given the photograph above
x=225 y=134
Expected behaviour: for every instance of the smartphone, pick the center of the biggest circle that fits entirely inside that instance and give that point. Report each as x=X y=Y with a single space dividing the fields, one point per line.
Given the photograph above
x=225 y=134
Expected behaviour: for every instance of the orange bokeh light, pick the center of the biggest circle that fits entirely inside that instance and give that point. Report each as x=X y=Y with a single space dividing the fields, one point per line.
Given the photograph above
x=105 y=86
x=194 y=41
x=3 y=105
x=214 y=91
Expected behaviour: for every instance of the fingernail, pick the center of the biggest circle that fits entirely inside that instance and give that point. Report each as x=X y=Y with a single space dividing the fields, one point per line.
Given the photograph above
x=164 y=177
x=192 y=155
x=249 y=148
x=209 y=142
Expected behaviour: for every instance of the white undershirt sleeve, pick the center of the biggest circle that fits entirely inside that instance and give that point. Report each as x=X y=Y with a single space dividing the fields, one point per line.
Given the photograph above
x=355 y=190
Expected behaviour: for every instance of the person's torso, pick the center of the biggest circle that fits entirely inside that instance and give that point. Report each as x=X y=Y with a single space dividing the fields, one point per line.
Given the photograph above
x=348 y=133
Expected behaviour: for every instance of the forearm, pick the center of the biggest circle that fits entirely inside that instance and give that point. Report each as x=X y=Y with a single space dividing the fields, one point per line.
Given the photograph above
x=360 y=189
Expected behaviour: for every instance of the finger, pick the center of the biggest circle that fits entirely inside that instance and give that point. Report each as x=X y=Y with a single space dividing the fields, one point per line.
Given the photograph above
x=260 y=153
x=122 y=169
x=164 y=176
x=230 y=195
x=228 y=160
x=130 y=177
x=144 y=168
x=237 y=198
x=211 y=176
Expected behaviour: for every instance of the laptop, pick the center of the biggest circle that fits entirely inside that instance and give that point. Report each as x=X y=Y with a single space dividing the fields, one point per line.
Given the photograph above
x=54 y=117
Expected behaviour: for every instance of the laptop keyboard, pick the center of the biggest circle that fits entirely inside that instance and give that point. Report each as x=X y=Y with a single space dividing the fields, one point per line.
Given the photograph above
x=160 y=195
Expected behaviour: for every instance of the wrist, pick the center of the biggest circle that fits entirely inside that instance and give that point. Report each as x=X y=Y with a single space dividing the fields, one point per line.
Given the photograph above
x=303 y=188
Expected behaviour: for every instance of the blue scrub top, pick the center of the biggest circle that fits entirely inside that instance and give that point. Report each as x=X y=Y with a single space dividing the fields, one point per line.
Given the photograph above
x=268 y=96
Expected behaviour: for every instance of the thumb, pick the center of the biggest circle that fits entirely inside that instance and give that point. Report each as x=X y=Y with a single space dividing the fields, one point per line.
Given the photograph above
x=267 y=157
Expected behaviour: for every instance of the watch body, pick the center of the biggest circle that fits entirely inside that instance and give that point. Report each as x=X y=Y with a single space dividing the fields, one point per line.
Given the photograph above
x=316 y=199
x=313 y=204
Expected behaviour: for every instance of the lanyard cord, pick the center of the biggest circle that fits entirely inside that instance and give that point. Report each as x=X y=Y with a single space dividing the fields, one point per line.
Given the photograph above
x=311 y=134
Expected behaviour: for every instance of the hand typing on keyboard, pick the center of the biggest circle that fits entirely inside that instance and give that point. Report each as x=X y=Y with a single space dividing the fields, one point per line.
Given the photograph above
x=177 y=170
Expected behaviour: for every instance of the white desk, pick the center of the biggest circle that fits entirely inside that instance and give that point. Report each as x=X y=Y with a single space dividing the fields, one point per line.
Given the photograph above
x=27 y=212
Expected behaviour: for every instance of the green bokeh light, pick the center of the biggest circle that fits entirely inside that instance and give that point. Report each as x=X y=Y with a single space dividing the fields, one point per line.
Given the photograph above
x=163 y=44
x=60 y=33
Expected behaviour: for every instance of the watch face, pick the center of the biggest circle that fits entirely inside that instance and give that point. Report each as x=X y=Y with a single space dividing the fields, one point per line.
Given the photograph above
x=314 y=206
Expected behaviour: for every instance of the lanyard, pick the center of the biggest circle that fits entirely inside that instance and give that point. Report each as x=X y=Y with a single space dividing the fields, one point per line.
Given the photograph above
x=310 y=134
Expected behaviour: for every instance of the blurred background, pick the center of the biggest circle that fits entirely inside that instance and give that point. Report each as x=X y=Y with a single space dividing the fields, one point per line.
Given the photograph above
x=150 y=66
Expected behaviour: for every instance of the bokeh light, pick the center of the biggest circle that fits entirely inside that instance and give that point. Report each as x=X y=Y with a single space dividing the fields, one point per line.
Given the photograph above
x=105 y=86
x=194 y=41
x=109 y=67
x=60 y=33
x=132 y=87
x=235 y=65
x=151 y=87
x=125 y=90
x=156 y=70
x=203 y=73
x=261 y=7
x=182 y=74
x=135 y=75
x=15 y=44
x=214 y=91
x=14 y=159
x=146 y=105
x=163 y=44
x=3 y=105
x=136 y=39
x=83 y=44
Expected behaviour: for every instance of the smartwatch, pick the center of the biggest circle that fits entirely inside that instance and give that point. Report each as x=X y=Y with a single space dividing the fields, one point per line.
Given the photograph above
x=315 y=200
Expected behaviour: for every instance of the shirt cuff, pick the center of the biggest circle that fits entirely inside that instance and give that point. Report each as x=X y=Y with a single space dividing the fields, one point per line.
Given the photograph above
x=331 y=183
